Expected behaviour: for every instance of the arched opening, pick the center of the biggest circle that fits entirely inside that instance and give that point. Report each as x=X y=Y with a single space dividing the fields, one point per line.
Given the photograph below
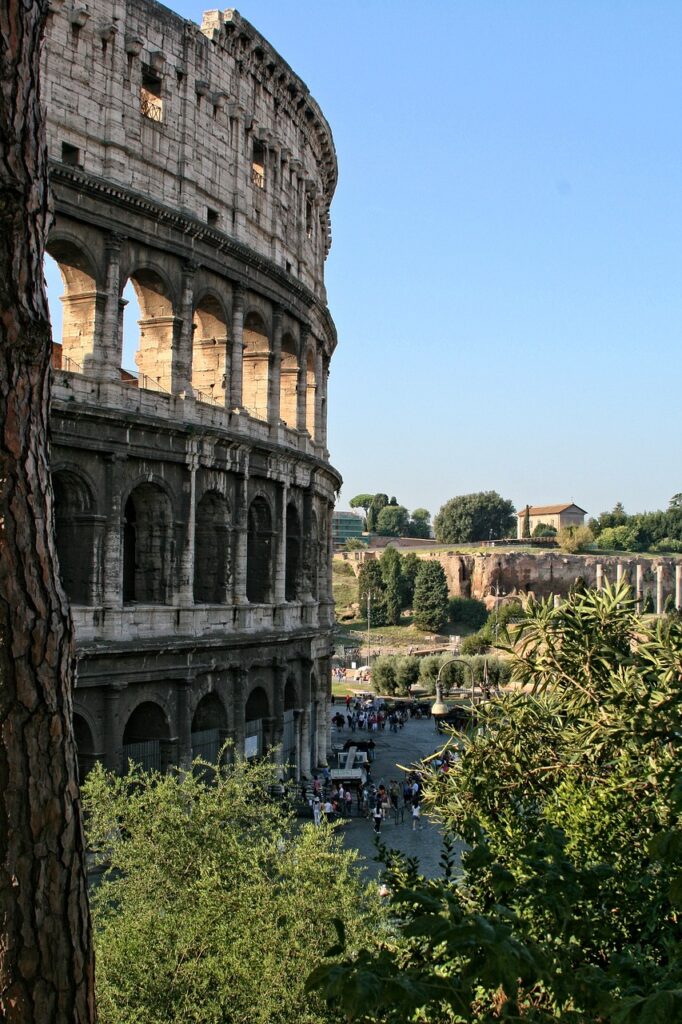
x=210 y=352
x=290 y=739
x=256 y=360
x=212 y=550
x=256 y=715
x=310 y=392
x=85 y=747
x=209 y=728
x=146 y=738
x=259 y=553
x=288 y=376
x=154 y=356
x=314 y=556
x=76 y=324
x=131 y=314
x=293 y=555
x=147 y=546
x=74 y=536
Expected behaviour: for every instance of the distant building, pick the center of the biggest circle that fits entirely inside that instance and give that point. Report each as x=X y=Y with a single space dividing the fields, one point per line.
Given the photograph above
x=346 y=525
x=557 y=516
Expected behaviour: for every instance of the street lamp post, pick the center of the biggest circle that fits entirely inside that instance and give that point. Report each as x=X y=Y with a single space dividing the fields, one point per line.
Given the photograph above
x=440 y=708
x=369 y=635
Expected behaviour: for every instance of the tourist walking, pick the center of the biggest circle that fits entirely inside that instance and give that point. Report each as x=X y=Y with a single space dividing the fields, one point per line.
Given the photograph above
x=416 y=815
x=378 y=815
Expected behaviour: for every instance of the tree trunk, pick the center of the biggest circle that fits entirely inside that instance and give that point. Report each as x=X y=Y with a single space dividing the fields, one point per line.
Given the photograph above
x=46 y=962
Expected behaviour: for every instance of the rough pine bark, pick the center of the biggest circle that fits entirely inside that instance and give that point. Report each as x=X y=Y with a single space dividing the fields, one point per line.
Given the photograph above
x=46 y=963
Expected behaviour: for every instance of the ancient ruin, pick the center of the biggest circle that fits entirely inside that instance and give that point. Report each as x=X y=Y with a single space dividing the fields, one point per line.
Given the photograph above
x=193 y=498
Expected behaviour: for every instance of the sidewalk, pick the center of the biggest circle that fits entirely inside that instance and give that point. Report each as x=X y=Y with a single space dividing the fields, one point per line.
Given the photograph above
x=415 y=741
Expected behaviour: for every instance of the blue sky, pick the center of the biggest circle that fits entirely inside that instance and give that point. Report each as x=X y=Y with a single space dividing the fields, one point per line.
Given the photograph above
x=507 y=243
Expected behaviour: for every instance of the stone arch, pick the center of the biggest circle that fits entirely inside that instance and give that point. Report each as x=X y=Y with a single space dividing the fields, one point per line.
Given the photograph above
x=259 y=552
x=146 y=737
x=292 y=574
x=209 y=728
x=210 y=361
x=256 y=722
x=291 y=699
x=147 y=545
x=212 y=549
x=74 y=534
x=288 y=389
x=82 y=305
x=157 y=324
x=256 y=363
x=85 y=744
x=310 y=391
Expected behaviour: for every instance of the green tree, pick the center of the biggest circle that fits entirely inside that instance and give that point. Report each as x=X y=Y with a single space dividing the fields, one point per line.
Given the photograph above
x=467 y=611
x=568 y=795
x=525 y=529
x=394 y=593
x=431 y=597
x=362 y=501
x=410 y=568
x=392 y=521
x=472 y=517
x=406 y=674
x=419 y=524
x=544 y=530
x=384 y=674
x=213 y=904
x=378 y=502
x=371 y=582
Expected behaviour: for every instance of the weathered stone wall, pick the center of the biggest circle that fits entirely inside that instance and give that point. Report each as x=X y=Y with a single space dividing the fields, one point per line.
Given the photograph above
x=543 y=574
x=193 y=501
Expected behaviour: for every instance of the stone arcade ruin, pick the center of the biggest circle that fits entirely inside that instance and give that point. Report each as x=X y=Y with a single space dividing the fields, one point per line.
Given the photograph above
x=193 y=498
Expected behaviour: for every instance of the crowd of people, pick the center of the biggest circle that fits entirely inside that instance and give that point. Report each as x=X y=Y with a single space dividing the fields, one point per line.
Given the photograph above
x=331 y=801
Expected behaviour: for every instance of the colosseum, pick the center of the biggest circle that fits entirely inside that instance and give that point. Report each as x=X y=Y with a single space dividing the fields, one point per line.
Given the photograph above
x=193 y=497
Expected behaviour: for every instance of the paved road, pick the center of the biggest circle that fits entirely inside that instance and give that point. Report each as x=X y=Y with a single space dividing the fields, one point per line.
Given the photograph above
x=409 y=745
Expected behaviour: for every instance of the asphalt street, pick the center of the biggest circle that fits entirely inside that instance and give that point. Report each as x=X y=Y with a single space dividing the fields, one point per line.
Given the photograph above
x=408 y=746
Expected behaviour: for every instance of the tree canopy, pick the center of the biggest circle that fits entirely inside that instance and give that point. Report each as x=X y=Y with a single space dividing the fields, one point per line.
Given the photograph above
x=568 y=794
x=430 y=605
x=471 y=517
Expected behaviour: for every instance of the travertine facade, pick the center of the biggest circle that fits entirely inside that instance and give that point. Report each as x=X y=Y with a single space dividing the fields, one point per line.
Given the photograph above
x=192 y=501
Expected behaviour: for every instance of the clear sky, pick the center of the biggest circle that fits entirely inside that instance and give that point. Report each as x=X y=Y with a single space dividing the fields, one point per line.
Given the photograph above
x=506 y=264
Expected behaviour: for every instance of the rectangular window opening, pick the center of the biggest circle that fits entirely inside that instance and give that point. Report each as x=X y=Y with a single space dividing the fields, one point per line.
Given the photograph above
x=151 y=104
x=211 y=217
x=309 y=218
x=258 y=165
x=71 y=155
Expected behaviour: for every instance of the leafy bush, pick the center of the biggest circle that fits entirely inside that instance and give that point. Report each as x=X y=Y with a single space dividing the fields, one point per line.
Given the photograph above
x=575 y=538
x=544 y=530
x=384 y=674
x=468 y=611
x=406 y=674
x=477 y=643
x=668 y=545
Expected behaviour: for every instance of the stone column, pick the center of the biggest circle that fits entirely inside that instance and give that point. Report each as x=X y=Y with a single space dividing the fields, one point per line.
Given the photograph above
x=279 y=676
x=556 y=600
x=322 y=433
x=323 y=718
x=108 y=337
x=183 y=335
x=241 y=538
x=113 y=541
x=184 y=723
x=281 y=542
x=233 y=393
x=301 y=382
x=659 y=589
x=274 y=376
x=240 y=678
x=306 y=543
x=186 y=591
x=639 y=589
x=678 y=587
x=298 y=732
x=600 y=576
x=619 y=574
x=305 y=757
x=111 y=731
x=319 y=388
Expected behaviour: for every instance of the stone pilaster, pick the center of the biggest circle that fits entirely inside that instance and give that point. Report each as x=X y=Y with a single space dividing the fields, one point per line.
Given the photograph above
x=240 y=538
x=659 y=589
x=302 y=381
x=112 y=596
x=678 y=587
x=639 y=588
x=280 y=538
x=274 y=376
x=233 y=393
x=108 y=328
x=186 y=589
x=111 y=730
x=184 y=723
x=240 y=678
x=183 y=335
x=279 y=676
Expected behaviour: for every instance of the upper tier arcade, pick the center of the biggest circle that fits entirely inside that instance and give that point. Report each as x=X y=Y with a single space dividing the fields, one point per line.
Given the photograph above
x=207 y=121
